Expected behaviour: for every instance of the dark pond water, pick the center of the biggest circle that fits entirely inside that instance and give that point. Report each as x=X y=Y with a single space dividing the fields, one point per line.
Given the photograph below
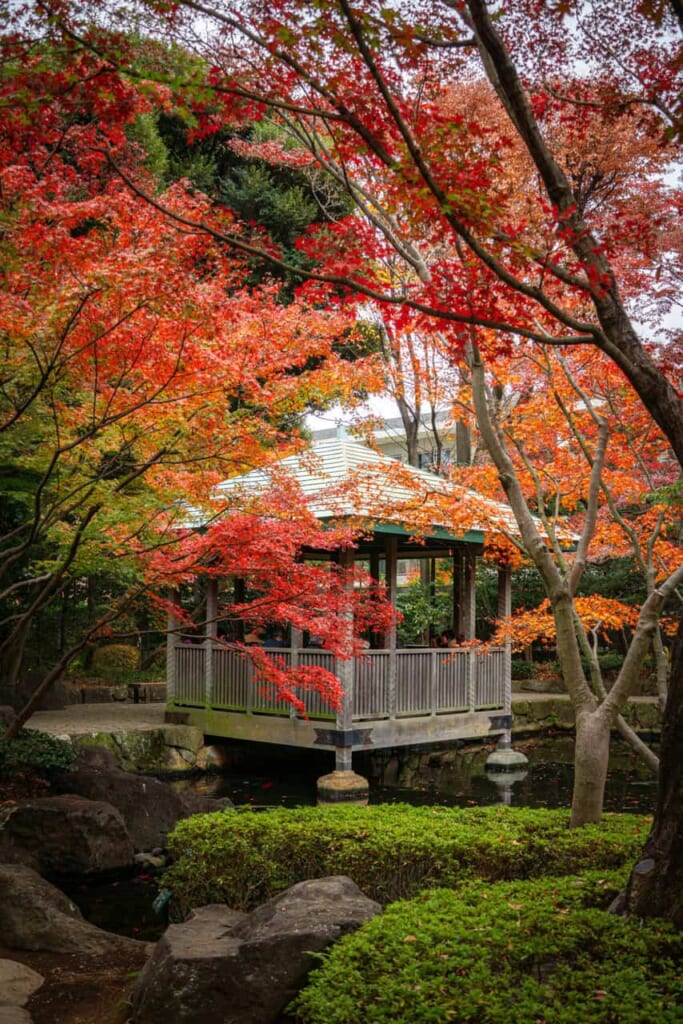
x=454 y=777
x=544 y=785
x=124 y=905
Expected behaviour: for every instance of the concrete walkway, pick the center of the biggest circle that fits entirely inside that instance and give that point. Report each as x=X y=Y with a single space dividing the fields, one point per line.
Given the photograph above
x=85 y=719
x=80 y=719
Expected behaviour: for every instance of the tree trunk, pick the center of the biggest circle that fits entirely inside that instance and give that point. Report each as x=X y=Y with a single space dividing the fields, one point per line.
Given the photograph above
x=411 y=426
x=590 y=767
x=655 y=888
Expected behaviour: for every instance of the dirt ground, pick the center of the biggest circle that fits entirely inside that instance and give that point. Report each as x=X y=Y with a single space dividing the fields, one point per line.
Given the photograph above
x=80 y=989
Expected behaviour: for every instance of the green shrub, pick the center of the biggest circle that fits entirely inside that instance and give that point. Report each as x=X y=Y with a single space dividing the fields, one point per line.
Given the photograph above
x=116 y=663
x=544 y=951
x=37 y=752
x=521 y=669
x=610 y=661
x=391 y=851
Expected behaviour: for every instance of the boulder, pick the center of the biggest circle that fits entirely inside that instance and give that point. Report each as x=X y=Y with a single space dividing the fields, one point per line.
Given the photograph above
x=246 y=968
x=149 y=806
x=15 y=1015
x=166 y=748
x=36 y=916
x=64 y=835
x=202 y=803
x=17 y=983
x=7 y=715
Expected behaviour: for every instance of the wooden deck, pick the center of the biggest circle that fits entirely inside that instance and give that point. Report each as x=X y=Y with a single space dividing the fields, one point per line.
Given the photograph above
x=398 y=697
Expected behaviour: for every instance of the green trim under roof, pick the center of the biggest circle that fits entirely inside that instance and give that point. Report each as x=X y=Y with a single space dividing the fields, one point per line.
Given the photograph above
x=435 y=533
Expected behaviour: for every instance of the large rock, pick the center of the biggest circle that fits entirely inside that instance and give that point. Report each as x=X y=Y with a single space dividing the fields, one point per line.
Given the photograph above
x=34 y=915
x=64 y=835
x=245 y=968
x=166 y=748
x=149 y=807
x=17 y=983
x=15 y=1015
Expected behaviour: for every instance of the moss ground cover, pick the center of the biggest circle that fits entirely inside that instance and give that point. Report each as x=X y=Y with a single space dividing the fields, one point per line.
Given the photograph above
x=543 y=951
x=242 y=858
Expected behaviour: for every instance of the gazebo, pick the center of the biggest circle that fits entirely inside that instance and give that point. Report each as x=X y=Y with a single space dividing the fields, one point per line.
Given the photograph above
x=393 y=695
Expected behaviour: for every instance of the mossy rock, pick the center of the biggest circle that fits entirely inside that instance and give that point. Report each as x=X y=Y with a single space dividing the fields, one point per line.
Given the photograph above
x=168 y=748
x=644 y=716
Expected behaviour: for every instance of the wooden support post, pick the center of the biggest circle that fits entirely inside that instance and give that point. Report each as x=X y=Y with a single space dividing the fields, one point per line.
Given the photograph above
x=458 y=591
x=296 y=643
x=391 y=554
x=210 y=629
x=171 y=642
x=469 y=606
x=238 y=596
x=374 y=565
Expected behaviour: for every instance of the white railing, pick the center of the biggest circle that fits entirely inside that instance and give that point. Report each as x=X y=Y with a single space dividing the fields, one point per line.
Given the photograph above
x=405 y=683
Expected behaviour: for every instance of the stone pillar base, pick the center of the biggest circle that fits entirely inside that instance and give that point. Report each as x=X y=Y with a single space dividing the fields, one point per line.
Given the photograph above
x=505 y=759
x=342 y=788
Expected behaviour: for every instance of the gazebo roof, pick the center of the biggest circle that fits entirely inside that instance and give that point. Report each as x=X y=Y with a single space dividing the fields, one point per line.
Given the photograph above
x=342 y=478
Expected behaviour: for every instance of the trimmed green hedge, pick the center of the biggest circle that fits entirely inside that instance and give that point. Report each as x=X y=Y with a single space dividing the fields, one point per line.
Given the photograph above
x=537 y=952
x=242 y=858
x=116 y=663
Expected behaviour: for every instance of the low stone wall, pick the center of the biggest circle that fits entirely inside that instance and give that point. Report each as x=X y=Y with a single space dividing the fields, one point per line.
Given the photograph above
x=556 y=712
x=102 y=693
x=173 y=748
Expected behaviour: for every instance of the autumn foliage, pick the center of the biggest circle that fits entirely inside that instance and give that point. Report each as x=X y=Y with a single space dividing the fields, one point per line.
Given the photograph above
x=138 y=370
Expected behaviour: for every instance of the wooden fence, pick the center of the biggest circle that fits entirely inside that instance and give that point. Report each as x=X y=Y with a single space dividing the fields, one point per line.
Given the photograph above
x=406 y=683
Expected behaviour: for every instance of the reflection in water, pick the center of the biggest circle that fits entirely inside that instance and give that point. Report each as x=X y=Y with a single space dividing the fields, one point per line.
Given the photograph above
x=504 y=782
x=539 y=785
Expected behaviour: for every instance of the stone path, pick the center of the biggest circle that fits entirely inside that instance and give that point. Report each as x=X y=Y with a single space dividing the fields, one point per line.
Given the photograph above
x=80 y=719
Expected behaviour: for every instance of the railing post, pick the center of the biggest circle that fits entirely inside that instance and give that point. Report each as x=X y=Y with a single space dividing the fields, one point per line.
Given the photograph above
x=249 y=670
x=472 y=679
x=171 y=643
x=391 y=575
x=296 y=641
x=433 y=676
x=209 y=635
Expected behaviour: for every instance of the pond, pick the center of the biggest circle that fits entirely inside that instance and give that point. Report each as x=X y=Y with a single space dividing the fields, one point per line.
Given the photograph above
x=454 y=776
